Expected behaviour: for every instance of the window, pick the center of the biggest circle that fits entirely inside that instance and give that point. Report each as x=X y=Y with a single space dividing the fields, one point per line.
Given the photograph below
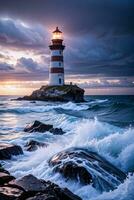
x=59 y=80
x=60 y=52
x=59 y=63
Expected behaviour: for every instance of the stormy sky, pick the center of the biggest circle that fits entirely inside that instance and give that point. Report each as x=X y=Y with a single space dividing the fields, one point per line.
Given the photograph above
x=99 y=39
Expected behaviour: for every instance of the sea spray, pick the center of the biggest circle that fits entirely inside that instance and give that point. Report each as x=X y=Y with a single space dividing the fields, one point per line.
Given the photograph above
x=99 y=130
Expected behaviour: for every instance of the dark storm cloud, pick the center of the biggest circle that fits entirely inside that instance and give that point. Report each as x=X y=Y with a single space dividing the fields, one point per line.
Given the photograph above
x=99 y=34
x=109 y=56
x=30 y=65
x=15 y=33
x=78 y=16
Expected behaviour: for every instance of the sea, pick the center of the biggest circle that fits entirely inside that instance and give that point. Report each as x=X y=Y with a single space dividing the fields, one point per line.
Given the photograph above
x=104 y=124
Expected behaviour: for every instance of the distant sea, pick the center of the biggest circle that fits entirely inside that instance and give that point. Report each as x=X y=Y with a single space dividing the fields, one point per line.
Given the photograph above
x=102 y=123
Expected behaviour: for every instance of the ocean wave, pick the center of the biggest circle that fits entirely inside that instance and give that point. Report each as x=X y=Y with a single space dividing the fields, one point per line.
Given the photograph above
x=41 y=109
x=113 y=142
x=125 y=191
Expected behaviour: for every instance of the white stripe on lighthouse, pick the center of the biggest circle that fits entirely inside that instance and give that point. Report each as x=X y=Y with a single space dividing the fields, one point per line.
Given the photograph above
x=56 y=53
x=56 y=79
x=57 y=64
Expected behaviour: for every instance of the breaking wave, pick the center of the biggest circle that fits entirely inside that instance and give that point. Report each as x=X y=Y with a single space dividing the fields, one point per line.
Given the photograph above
x=114 y=142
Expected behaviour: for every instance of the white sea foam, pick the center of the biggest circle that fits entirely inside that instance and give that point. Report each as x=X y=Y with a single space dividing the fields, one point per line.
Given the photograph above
x=45 y=108
x=114 y=143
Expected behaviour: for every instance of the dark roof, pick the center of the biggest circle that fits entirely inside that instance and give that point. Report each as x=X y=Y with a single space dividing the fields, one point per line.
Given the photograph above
x=57 y=30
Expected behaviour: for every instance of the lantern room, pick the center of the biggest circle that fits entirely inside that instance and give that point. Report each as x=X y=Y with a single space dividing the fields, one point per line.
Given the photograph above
x=57 y=34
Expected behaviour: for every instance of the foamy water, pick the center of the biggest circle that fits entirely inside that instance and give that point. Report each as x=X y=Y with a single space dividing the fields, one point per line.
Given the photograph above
x=97 y=125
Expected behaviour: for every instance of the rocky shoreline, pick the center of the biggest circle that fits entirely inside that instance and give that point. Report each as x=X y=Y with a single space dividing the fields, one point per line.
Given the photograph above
x=31 y=188
x=75 y=164
x=63 y=93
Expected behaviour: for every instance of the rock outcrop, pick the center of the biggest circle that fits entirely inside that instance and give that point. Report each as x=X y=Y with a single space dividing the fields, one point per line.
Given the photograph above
x=63 y=93
x=33 y=145
x=87 y=167
x=40 y=127
x=8 y=150
x=37 y=126
x=31 y=188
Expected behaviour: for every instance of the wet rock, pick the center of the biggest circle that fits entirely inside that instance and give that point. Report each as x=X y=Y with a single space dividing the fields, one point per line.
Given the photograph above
x=87 y=167
x=38 y=126
x=3 y=170
x=39 y=189
x=29 y=183
x=10 y=193
x=8 y=150
x=5 y=178
x=62 y=93
x=40 y=196
x=57 y=131
x=29 y=187
x=33 y=145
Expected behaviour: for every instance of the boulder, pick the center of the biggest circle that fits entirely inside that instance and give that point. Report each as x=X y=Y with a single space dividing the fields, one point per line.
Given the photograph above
x=29 y=183
x=40 y=189
x=87 y=167
x=5 y=178
x=63 y=93
x=40 y=196
x=3 y=170
x=57 y=131
x=8 y=150
x=40 y=127
x=10 y=193
x=33 y=145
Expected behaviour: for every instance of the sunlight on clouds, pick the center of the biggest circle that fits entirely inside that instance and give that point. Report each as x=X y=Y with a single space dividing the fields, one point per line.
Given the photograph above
x=20 y=87
x=11 y=56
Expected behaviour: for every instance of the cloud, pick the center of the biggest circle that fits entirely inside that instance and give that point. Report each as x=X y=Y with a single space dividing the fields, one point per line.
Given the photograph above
x=29 y=65
x=98 y=37
x=109 y=56
x=16 y=33
x=107 y=83
x=76 y=16
x=5 y=67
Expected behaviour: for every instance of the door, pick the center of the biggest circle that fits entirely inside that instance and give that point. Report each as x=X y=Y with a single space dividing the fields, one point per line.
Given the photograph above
x=60 y=81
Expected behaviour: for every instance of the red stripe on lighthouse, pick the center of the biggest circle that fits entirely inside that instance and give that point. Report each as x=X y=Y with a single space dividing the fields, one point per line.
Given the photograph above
x=57 y=70
x=57 y=58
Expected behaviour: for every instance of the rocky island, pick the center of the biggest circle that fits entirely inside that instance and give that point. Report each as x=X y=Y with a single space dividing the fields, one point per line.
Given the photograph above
x=62 y=93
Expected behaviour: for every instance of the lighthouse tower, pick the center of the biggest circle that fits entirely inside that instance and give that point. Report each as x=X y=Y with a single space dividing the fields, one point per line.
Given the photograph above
x=56 y=72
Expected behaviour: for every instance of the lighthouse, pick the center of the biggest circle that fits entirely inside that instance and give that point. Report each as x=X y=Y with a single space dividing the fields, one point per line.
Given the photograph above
x=56 y=71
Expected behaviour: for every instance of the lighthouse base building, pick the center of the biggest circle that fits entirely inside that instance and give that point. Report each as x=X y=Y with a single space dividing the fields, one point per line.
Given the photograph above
x=56 y=71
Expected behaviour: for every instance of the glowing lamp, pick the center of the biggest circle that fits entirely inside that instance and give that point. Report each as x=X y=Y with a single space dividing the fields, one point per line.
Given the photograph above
x=57 y=34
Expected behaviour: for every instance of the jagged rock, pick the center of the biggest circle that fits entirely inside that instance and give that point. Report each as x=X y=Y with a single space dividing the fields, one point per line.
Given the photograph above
x=8 y=150
x=39 y=189
x=63 y=93
x=40 y=196
x=3 y=170
x=33 y=145
x=10 y=193
x=5 y=178
x=38 y=126
x=57 y=131
x=29 y=183
x=87 y=167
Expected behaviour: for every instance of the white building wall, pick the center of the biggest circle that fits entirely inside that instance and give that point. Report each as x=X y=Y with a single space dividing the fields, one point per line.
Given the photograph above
x=54 y=78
